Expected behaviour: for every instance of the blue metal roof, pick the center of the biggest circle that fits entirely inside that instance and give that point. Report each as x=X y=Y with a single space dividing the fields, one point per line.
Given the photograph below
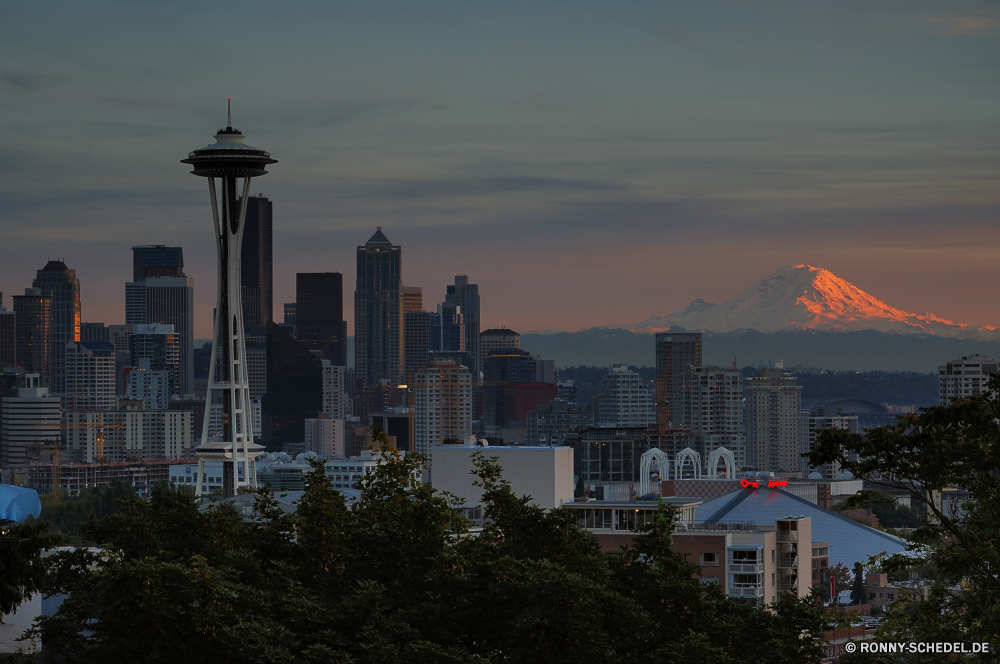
x=849 y=541
x=16 y=503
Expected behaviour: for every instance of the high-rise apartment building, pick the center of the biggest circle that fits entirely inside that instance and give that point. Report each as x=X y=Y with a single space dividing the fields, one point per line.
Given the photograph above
x=711 y=403
x=378 y=312
x=33 y=334
x=152 y=387
x=625 y=399
x=413 y=299
x=443 y=405
x=256 y=282
x=812 y=424
x=94 y=332
x=466 y=297
x=90 y=375
x=319 y=314
x=552 y=423
x=161 y=294
x=335 y=401
x=60 y=282
x=132 y=433
x=773 y=406
x=675 y=353
x=416 y=340
x=29 y=423
x=161 y=346
x=965 y=377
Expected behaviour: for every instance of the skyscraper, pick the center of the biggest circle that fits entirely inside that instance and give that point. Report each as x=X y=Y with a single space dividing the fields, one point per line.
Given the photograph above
x=443 y=405
x=60 y=282
x=294 y=388
x=675 y=352
x=378 y=312
x=319 y=314
x=90 y=375
x=156 y=260
x=413 y=299
x=710 y=401
x=161 y=346
x=8 y=338
x=33 y=334
x=773 y=408
x=466 y=297
x=256 y=281
x=625 y=399
x=416 y=339
x=501 y=368
x=167 y=300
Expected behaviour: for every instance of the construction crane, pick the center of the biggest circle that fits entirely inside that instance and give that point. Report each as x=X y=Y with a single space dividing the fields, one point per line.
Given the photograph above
x=54 y=453
x=100 y=427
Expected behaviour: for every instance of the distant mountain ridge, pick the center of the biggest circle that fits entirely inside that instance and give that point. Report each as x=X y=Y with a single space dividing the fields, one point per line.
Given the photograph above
x=803 y=297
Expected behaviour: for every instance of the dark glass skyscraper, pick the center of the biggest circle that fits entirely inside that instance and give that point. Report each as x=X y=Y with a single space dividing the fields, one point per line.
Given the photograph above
x=60 y=282
x=416 y=337
x=466 y=297
x=33 y=332
x=378 y=312
x=294 y=388
x=319 y=314
x=156 y=260
x=256 y=281
x=503 y=367
x=8 y=335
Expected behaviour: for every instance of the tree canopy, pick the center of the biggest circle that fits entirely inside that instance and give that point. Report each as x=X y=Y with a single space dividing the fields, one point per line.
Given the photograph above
x=400 y=578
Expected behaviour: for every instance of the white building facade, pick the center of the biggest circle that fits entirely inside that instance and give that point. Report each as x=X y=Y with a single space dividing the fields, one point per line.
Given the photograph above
x=965 y=377
x=442 y=405
x=30 y=423
x=626 y=400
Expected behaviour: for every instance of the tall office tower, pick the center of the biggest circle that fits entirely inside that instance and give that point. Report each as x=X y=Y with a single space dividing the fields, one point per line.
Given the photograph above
x=119 y=336
x=256 y=281
x=519 y=399
x=256 y=360
x=965 y=377
x=416 y=340
x=8 y=339
x=156 y=260
x=413 y=299
x=546 y=371
x=289 y=312
x=60 y=282
x=153 y=387
x=30 y=423
x=319 y=314
x=675 y=352
x=161 y=346
x=94 y=332
x=501 y=368
x=466 y=297
x=33 y=333
x=711 y=403
x=448 y=328
x=442 y=405
x=497 y=339
x=335 y=402
x=378 y=312
x=90 y=375
x=294 y=388
x=625 y=399
x=773 y=408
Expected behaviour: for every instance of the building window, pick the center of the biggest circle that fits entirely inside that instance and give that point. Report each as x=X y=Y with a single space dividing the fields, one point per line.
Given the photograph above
x=709 y=559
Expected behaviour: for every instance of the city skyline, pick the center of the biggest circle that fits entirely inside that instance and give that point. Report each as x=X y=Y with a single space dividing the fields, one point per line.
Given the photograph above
x=569 y=159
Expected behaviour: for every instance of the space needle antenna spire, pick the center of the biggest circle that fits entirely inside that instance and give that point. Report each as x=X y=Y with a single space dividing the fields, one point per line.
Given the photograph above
x=229 y=164
x=229 y=112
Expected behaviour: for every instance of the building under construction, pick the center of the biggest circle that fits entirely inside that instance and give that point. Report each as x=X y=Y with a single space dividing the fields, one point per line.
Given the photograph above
x=73 y=477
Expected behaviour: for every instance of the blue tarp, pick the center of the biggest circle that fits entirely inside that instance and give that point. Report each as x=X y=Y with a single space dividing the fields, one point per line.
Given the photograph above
x=16 y=503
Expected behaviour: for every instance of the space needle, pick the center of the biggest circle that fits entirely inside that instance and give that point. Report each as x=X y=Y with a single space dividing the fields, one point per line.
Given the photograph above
x=232 y=163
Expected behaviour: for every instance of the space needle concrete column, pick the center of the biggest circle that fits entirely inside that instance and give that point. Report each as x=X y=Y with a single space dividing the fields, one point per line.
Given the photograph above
x=231 y=164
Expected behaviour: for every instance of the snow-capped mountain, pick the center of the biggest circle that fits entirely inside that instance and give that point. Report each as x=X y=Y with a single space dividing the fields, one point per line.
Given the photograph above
x=803 y=297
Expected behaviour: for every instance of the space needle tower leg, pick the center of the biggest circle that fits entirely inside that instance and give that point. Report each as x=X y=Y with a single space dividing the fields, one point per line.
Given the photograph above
x=232 y=164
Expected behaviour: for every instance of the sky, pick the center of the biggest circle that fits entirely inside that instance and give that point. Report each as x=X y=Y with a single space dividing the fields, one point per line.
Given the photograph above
x=586 y=163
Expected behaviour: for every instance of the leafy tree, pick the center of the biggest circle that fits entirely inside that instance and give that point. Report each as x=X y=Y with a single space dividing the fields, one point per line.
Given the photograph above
x=954 y=446
x=858 y=587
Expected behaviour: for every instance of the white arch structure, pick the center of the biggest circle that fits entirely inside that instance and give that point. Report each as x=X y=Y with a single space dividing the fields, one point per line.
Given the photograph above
x=646 y=469
x=687 y=453
x=713 y=463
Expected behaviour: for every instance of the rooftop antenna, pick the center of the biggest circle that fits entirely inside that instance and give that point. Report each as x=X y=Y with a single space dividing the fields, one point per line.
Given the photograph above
x=229 y=113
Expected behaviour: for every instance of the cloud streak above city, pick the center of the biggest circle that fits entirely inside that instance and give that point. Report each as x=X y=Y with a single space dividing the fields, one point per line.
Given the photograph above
x=585 y=163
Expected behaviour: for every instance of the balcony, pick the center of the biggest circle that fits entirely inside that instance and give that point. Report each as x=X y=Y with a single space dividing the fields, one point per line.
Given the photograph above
x=742 y=590
x=746 y=569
